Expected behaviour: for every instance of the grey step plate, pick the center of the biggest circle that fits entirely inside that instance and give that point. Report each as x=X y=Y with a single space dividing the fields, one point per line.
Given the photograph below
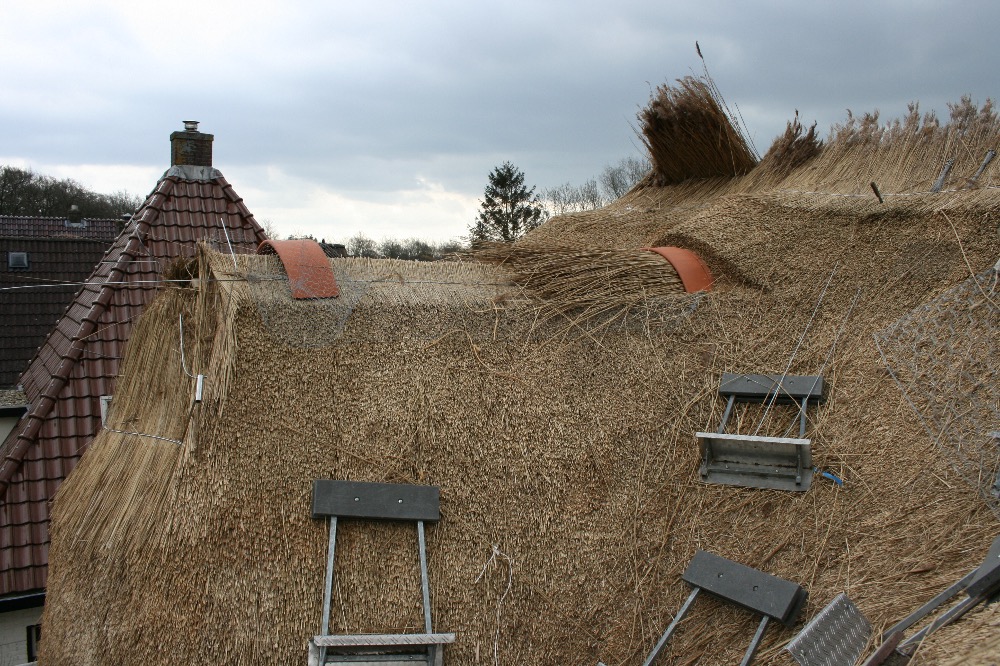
x=835 y=637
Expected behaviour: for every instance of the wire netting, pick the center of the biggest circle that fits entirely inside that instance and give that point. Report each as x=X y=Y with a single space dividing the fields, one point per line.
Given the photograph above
x=944 y=357
x=314 y=322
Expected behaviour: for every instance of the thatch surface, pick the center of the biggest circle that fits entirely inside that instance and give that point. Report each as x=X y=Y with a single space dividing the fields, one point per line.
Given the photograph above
x=971 y=642
x=565 y=453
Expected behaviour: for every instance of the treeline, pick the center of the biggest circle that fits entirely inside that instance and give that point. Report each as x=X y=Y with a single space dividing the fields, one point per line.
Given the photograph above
x=409 y=248
x=26 y=193
x=611 y=184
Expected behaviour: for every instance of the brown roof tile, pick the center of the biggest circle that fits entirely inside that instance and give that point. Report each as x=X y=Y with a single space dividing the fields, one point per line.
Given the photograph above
x=103 y=229
x=31 y=301
x=78 y=361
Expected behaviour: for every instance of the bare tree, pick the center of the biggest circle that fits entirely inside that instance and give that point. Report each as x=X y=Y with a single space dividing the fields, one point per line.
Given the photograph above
x=617 y=180
x=360 y=245
x=269 y=228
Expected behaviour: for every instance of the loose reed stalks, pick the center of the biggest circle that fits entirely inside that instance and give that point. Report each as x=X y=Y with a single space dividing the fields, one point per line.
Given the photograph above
x=689 y=135
x=583 y=285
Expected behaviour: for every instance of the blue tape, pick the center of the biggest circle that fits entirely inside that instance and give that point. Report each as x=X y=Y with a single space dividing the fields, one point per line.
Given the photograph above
x=833 y=477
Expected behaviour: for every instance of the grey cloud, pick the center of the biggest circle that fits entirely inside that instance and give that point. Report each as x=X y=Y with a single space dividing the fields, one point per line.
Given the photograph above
x=364 y=102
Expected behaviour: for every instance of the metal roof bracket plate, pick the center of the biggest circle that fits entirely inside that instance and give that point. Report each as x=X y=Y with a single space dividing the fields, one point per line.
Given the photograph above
x=779 y=463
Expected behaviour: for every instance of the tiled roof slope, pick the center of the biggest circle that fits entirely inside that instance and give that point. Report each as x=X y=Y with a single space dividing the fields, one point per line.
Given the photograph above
x=79 y=361
x=31 y=300
x=105 y=229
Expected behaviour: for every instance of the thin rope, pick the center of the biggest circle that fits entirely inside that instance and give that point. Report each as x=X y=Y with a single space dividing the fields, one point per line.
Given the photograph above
x=97 y=283
x=781 y=380
x=144 y=434
x=510 y=579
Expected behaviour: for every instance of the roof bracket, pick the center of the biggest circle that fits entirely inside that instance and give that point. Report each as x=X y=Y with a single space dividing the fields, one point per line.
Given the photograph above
x=837 y=635
x=772 y=597
x=780 y=463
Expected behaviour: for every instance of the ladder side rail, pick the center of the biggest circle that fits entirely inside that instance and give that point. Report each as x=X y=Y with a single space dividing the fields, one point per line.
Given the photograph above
x=946 y=618
x=930 y=606
x=757 y=638
x=802 y=418
x=425 y=586
x=328 y=589
x=670 y=629
x=726 y=414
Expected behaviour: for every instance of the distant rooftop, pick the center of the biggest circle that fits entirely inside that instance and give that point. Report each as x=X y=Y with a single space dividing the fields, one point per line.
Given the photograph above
x=77 y=364
x=16 y=226
x=35 y=293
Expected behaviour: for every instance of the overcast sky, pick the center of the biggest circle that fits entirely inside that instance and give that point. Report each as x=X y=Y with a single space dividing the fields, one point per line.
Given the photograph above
x=332 y=118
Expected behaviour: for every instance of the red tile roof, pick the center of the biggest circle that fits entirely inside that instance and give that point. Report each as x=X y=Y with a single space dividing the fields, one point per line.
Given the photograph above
x=32 y=300
x=105 y=229
x=79 y=360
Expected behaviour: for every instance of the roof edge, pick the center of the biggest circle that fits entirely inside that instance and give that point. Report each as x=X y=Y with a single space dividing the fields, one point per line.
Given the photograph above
x=22 y=600
x=13 y=410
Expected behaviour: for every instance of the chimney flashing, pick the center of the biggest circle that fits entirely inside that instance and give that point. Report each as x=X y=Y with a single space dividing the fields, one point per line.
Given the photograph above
x=191 y=172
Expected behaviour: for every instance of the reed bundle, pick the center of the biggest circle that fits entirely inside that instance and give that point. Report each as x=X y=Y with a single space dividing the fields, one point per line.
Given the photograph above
x=789 y=152
x=689 y=135
x=583 y=286
x=905 y=155
x=134 y=457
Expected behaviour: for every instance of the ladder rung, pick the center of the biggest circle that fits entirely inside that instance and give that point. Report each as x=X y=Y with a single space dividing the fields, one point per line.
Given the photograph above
x=382 y=640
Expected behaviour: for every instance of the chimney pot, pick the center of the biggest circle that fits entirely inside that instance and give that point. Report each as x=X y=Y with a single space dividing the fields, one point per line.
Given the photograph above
x=74 y=218
x=191 y=125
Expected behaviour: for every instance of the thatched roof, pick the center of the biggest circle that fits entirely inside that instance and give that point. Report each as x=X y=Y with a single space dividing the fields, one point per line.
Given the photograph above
x=561 y=434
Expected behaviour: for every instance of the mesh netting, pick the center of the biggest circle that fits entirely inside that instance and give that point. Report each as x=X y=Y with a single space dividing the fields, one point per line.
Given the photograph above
x=306 y=323
x=318 y=322
x=944 y=357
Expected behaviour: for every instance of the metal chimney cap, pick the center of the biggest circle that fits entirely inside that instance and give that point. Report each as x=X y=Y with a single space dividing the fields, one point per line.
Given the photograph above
x=191 y=125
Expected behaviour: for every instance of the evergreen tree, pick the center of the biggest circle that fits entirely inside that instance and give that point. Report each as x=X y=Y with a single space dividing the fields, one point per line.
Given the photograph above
x=508 y=209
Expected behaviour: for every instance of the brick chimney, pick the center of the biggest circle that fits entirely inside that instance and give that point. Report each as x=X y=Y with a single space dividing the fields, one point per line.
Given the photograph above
x=191 y=147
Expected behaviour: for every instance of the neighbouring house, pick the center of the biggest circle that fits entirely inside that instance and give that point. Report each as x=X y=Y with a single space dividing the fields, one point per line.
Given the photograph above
x=70 y=380
x=45 y=261
x=13 y=405
x=552 y=393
